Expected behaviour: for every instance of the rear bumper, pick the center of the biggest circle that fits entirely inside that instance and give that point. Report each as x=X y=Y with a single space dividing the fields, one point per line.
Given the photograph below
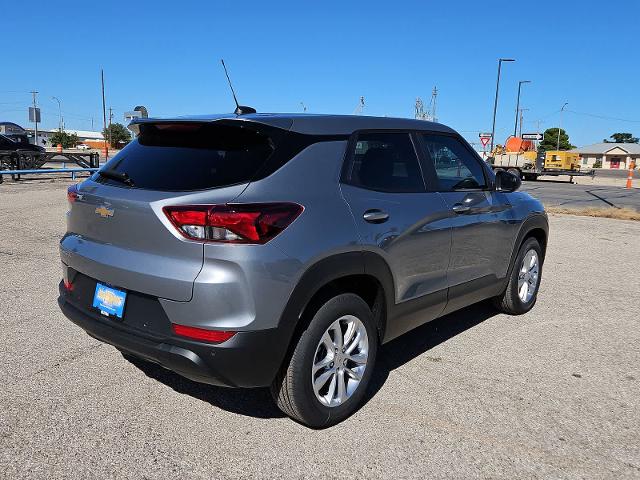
x=248 y=359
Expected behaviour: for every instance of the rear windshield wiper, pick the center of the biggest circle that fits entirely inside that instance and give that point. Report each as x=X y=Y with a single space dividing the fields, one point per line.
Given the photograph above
x=115 y=175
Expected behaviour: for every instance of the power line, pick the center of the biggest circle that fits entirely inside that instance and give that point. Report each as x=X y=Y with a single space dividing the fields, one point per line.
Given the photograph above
x=603 y=117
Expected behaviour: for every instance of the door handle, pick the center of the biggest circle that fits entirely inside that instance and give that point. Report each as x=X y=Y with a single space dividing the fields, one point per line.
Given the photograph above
x=375 y=216
x=460 y=208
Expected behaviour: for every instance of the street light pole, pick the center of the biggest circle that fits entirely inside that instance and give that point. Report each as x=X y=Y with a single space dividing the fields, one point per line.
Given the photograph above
x=495 y=102
x=515 y=128
x=60 y=121
x=560 y=125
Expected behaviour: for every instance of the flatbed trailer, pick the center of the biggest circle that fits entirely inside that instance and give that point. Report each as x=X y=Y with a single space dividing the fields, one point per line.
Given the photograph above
x=531 y=169
x=533 y=174
x=16 y=163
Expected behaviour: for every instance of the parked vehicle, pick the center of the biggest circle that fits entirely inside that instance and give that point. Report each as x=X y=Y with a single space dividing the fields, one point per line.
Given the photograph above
x=9 y=145
x=283 y=250
x=83 y=146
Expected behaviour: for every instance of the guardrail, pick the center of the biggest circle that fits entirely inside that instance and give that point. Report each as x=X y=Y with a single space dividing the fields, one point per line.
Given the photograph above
x=17 y=163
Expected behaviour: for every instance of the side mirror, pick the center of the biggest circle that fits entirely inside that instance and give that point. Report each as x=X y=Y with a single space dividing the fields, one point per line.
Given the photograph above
x=507 y=182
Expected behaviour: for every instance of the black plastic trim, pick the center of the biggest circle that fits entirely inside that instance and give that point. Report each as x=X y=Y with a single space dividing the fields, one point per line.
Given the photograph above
x=248 y=359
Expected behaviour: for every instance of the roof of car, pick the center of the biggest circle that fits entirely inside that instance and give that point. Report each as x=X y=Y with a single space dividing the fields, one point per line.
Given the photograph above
x=313 y=124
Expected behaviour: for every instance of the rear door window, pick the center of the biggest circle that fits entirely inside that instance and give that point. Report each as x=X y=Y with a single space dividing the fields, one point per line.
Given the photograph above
x=385 y=162
x=191 y=156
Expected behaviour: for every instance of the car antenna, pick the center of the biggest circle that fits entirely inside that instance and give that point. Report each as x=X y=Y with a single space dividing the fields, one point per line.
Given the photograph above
x=240 y=109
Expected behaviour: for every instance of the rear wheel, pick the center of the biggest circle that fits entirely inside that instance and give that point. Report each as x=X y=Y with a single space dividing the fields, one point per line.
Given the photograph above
x=331 y=365
x=522 y=290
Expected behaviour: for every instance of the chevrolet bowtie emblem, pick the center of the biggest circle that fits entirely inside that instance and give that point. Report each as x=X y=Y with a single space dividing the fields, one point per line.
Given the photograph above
x=104 y=212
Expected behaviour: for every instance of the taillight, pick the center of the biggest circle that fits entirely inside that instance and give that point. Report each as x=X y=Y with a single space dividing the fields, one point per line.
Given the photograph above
x=213 y=336
x=255 y=223
x=72 y=193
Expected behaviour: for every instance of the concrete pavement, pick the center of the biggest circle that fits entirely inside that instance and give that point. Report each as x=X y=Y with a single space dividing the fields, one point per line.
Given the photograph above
x=552 y=394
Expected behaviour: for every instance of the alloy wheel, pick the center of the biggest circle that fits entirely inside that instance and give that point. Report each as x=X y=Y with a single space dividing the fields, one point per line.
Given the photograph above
x=339 y=361
x=528 y=276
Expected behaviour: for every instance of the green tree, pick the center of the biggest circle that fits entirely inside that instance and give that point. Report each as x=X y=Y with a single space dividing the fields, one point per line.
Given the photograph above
x=117 y=135
x=65 y=139
x=622 y=138
x=550 y=140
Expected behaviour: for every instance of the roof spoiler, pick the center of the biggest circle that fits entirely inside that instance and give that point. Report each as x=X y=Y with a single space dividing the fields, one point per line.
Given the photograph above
x=281 y=123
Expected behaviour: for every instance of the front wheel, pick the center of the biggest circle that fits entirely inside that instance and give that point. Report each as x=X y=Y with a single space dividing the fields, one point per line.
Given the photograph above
x=326 y=379
x=522 y=290
x=515 y=171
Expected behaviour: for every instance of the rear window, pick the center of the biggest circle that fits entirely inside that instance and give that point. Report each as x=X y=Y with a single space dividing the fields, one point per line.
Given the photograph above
x=191 y=156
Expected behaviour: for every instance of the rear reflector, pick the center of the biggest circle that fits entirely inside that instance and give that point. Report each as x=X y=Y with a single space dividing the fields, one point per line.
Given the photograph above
x=253 y=223
x=72 y=193
x=213 y=336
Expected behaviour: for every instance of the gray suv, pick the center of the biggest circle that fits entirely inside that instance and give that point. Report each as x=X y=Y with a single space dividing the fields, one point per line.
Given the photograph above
x=282 y=250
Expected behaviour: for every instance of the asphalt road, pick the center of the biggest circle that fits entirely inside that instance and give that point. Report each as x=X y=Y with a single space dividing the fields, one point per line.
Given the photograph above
x=565 y=194
x=552 y=394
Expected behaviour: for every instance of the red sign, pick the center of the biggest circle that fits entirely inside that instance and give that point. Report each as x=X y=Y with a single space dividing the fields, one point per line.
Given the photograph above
x=484 y=141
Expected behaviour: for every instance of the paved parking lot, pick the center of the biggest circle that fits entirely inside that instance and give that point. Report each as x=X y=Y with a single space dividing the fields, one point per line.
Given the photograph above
x=552 y=394
x=565 y=194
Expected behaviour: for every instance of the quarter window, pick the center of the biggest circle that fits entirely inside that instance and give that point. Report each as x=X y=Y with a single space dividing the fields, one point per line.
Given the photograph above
x=455 y=166
x=386 y=162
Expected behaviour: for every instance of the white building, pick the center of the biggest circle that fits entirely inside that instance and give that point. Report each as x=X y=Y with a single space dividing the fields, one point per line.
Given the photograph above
x=86 y=135
x=93 y=139
x=609 y=155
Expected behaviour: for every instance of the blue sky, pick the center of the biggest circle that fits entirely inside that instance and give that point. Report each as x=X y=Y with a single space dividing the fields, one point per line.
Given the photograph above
x=165 y=55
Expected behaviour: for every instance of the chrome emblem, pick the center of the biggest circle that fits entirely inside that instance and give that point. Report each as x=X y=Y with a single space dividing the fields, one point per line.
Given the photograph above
x=104 y=212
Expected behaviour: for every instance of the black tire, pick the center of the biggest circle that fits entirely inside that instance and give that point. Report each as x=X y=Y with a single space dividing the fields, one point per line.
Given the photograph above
x=292 y=389
x=516 y=172
x=509 y=302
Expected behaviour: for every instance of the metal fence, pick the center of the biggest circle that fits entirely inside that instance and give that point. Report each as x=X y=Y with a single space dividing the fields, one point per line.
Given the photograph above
x=17 y=163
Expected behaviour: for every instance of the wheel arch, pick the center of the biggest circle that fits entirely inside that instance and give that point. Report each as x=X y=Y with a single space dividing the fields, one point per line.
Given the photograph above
x=365 y=274
x=534 y=226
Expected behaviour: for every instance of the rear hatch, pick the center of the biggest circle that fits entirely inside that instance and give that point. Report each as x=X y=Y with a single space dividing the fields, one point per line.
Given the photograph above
x=117 y=232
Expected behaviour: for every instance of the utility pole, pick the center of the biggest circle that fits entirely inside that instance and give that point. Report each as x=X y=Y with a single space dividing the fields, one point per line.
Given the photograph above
x=538 y=122
x=110 y=120
x=434 y=97
x=35 y=116
x=515 y=128
x=420 y=115
x=522 y=110
x=60 y=120
x=360 y=108
x=560 y=124
x=104 y=117
x=495 y=102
